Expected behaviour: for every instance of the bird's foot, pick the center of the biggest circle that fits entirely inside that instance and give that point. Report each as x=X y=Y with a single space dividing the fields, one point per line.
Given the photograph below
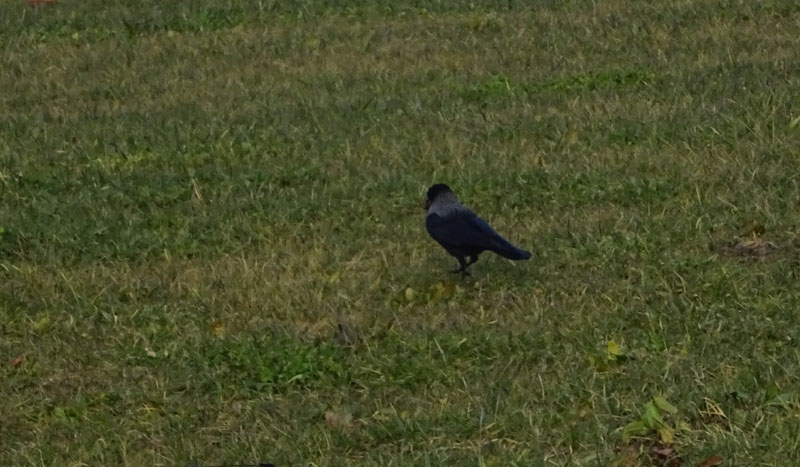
x=463 y=271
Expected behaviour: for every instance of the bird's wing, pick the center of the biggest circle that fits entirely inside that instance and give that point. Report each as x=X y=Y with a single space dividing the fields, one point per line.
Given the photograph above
x=463 y=229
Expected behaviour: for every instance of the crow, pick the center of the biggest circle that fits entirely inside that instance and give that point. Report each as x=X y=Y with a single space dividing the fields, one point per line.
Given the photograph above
x=461 y=232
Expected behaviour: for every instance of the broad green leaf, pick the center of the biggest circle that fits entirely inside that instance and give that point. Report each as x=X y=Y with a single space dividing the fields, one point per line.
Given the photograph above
x=772 y=392
x=652 y=417
x=665 y=406
x=43 y=322
x=633 y=429
x=657 y=342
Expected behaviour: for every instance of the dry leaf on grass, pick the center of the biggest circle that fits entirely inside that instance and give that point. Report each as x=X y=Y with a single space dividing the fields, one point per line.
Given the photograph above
x=662 y=454
x=663 y=451
x=711 y=462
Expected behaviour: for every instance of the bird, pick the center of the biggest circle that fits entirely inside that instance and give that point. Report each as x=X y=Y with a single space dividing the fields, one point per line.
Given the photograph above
x=461 y=232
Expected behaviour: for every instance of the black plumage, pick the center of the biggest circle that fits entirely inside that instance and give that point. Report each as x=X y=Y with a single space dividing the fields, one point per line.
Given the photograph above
x=461 y=232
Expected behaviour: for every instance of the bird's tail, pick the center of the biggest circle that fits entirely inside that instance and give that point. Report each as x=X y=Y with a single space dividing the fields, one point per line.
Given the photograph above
x=509 y=251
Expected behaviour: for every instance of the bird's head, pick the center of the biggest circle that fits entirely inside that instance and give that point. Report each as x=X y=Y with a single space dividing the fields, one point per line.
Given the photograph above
x=434 y=191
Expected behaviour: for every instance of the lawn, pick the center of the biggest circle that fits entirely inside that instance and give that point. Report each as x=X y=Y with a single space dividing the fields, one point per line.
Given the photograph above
x=212 y=245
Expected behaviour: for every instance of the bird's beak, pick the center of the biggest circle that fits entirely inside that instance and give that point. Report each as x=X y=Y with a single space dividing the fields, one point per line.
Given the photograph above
x=426 y=204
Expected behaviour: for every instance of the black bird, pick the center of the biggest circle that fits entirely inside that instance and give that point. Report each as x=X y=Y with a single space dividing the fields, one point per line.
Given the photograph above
x=461 y=232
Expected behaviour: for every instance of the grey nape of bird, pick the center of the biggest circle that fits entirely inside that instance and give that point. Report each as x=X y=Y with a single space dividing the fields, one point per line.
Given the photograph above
x=461 y=232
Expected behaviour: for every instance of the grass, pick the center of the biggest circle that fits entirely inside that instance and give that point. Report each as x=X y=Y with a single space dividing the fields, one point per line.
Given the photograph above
x=212 y=248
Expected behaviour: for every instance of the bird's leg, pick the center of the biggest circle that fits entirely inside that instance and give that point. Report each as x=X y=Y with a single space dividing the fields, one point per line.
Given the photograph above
x=463 y=268
x=465 y=265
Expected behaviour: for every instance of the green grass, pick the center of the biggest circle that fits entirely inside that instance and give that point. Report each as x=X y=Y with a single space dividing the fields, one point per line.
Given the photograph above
x=212 y=246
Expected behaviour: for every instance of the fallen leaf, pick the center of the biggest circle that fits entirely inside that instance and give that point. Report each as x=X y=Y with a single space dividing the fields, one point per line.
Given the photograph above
x=711 y=462
x=664 y=456
x=16 y=362
x=663 y=451
x=613 y=349
x=443 y=291
x=410 y=294
x=667 y=435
